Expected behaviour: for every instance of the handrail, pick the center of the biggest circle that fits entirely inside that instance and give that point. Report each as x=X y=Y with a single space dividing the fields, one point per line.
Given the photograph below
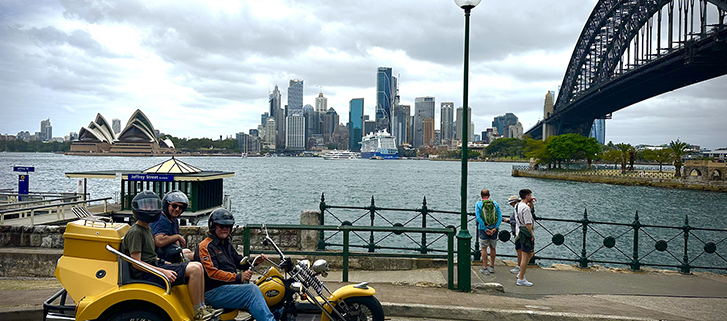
x=141 y=266
x=4 y=206
x=24 y=209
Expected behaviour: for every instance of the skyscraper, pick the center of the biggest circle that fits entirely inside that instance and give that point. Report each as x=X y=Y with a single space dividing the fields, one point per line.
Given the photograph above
x=423 y=109
x=295 y=96
x=598 y=130
x=355 y=118
x=295 y=132
x=277 y=114
x=428 y=131
x=46 y=130
x=503 y=123
x=329 y=124
x=401 y=124
x=116 y=125
x=446 y=123
x=470 y=133
x=321 y=103
x=384 y=98
x=312 y=123
x=369 y=127
x=269 y=134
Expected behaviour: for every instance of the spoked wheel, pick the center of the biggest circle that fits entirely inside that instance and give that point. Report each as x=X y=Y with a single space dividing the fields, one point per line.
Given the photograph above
x=363 y=308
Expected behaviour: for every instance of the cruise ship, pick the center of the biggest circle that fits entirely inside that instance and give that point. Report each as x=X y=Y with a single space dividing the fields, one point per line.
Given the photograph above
x=379 y=145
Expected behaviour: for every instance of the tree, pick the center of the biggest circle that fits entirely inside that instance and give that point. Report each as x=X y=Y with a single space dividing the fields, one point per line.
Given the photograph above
x=506 y=147
x=612 y=156
x=662 y=156
x=571 y=147
x=538 y=149
x=624 y=149
x=678 y=149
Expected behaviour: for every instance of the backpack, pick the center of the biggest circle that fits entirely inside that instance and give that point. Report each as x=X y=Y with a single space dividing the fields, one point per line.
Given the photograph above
x=488 y=214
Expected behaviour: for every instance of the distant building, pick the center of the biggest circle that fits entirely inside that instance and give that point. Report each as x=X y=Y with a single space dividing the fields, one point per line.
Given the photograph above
x=598 y=131
x=490 y=135
x=423 y=109
x=254 y=132
x=264 y=117
x=321 y=103
x=515 y=131
x=295 y=96
x=460 y=121
x=369 y=127
x=276 y=112
x=401 y=124
x=384 y=98
x=46 y=130
x=356 y=122
x=116 y=125
x=329 y=125
x=270 y=134
x=446 y=122
x=23 y=135
x=477 y=138
x=503 y=123
x=428 y=131
x=248 y=144
x=138 y=137
x=295 y=132
x=312 y=124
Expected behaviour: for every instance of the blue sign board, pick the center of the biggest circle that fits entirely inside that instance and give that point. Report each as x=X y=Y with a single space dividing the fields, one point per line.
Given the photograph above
x=23 y=181
x=151 y=177
x=23 y=169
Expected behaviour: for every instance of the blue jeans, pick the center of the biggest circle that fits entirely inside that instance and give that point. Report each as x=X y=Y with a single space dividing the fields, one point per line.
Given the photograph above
x=240 y=296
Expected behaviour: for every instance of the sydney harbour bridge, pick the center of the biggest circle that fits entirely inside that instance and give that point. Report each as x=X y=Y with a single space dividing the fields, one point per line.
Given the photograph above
x=633 y=50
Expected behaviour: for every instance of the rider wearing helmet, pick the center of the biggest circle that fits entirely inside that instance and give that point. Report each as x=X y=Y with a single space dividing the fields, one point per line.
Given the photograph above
x=224 y=286
x=169 y=243
x=139 y=244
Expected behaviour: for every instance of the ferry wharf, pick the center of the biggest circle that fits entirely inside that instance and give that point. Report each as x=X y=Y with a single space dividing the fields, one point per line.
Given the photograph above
x=560 y=293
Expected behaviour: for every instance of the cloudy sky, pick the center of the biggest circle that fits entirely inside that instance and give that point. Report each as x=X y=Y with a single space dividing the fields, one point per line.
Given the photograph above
x=205 y=68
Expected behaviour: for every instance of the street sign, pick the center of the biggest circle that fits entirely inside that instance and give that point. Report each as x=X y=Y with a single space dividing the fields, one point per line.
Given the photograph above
x=151 y=177
x=23 y=182
x=23 y=169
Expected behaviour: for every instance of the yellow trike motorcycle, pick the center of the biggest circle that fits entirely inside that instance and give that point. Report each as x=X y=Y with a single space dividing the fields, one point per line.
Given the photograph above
x=299 y=290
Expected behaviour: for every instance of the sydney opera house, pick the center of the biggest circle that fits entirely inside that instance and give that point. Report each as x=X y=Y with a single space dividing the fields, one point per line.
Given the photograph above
x=137 y=138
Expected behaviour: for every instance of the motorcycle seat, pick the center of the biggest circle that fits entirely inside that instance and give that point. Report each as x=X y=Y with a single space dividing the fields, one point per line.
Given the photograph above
x=128 y=278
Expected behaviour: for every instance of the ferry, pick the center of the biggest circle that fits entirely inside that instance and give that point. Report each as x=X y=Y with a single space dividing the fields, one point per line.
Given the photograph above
x=379 y=145
x=340 y=154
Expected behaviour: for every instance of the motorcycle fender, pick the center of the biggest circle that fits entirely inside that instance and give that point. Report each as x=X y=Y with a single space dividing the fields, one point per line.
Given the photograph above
x=348 y=291
x=178 y=305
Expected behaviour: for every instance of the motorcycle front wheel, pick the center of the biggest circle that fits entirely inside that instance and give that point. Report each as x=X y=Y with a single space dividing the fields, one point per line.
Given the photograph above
x=362 y=308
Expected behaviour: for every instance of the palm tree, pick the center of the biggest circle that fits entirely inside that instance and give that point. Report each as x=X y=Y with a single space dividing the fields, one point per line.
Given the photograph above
x=624 y=149
x=678 y=149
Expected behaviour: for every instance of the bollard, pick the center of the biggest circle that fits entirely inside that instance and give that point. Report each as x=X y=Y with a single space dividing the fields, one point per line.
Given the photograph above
x=584 y=260
x=424 y=225
x=322 y=236
x=372 y=213
x=685 y=266
x=345 y=254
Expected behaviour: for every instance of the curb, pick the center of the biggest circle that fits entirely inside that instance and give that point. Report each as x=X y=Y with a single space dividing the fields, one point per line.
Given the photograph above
x=469 y=313
x=21 y=314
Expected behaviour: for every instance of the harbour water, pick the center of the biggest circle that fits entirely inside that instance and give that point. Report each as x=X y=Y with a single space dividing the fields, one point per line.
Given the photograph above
x=276 y=189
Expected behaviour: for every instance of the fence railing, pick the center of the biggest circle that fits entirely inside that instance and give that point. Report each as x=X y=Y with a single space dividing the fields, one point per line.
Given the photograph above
x=346 y=246
x=603 y=170
x=62 y=210
x=583 y=241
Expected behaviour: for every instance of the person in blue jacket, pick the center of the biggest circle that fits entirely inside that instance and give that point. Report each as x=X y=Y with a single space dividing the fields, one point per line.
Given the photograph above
x=489 y=218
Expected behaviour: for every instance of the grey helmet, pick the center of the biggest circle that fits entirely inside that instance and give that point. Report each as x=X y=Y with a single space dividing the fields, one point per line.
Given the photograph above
x=220 y=216
x=174 y=197
x=146 y=206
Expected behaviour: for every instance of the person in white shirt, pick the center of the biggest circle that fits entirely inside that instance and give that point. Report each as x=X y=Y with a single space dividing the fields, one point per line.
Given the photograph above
x=525 y=240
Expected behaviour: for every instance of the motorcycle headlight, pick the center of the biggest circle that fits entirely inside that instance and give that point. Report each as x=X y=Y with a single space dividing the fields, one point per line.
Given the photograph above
x=321 y=267
x=304 y=264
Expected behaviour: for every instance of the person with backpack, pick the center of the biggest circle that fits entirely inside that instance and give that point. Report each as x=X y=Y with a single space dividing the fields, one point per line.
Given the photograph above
x=489 y=218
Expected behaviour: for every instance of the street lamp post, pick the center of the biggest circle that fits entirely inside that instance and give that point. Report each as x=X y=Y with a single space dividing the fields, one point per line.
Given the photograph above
x=464 y=239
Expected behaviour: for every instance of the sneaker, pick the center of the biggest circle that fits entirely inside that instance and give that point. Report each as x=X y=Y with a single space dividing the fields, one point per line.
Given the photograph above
x=524 y=282
x=484 y=271
x=515 y=270
x=491 y=269
x=213 y=311
x=202 y=314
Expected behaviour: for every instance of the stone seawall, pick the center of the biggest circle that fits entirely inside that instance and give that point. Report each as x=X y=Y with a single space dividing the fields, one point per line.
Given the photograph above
x=676 y=183
x=34 y=250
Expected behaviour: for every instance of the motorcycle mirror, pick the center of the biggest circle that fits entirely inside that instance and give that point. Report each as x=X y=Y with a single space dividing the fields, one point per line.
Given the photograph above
x=266 y=242
x=244 y=260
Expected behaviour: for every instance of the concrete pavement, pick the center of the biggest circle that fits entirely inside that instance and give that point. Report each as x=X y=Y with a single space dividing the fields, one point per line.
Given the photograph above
x=563 y=293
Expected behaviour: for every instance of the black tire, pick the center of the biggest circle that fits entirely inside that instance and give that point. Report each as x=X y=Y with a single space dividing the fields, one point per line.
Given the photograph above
x=362 y=308
x=138 y=315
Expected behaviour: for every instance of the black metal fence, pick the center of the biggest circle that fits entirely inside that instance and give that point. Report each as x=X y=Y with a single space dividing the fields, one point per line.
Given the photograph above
x=583 y=241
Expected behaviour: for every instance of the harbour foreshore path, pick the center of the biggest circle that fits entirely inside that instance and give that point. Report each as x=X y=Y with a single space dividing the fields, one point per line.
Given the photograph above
x=561 y=293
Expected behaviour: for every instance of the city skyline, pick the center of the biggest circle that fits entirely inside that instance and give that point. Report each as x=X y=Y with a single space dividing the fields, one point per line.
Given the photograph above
x=68 y=61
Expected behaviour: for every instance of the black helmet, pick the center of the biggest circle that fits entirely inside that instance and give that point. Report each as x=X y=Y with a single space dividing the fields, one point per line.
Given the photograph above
x=174 y=197
x=146 y=206
x=220 y=216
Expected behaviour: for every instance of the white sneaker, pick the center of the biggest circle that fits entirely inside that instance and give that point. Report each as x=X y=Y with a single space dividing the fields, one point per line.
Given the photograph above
x=515 y=270
x=491 y=269
x=524 y=282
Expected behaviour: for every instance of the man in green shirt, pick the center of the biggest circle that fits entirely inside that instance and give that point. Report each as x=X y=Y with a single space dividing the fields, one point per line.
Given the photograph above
x=139 y=244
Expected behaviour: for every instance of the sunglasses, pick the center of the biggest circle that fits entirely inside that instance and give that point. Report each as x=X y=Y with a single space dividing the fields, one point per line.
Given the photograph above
x=176 y=206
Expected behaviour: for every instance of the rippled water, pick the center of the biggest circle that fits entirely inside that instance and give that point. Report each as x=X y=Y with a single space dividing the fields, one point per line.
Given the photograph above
x=275 y=190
